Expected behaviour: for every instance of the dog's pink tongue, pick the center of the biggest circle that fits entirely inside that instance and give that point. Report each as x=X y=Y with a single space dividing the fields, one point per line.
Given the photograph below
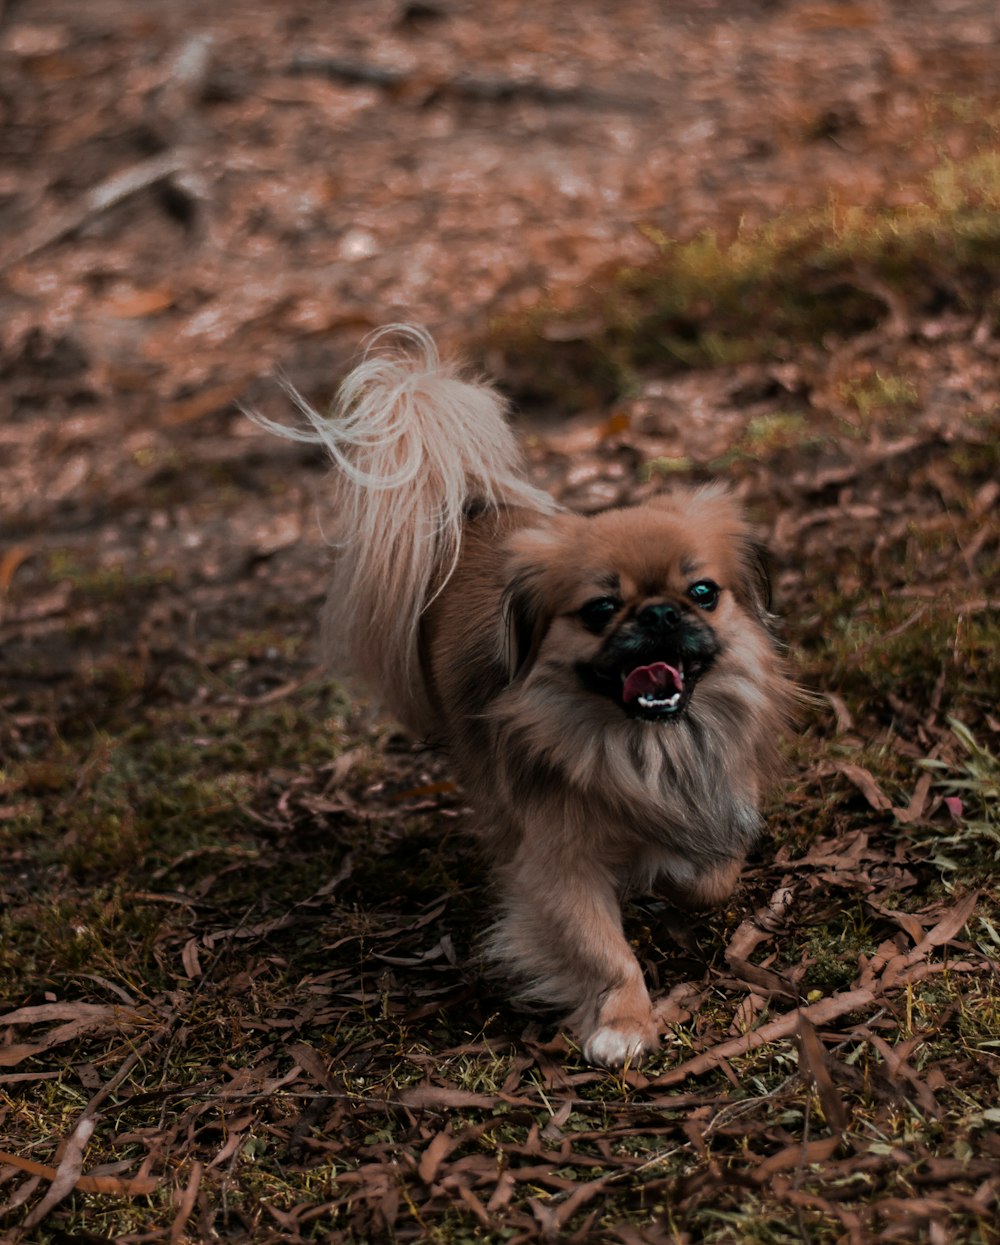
x=659 y=679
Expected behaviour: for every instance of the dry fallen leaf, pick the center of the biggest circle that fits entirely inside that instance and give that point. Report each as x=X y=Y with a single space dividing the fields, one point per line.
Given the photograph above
x=123 y=1186
x=138 y=303
x=67 y=1175
x=12 y=558
x=865 y=782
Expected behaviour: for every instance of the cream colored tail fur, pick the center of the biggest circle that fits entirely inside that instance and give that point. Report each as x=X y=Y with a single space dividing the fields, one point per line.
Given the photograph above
x=412 y=445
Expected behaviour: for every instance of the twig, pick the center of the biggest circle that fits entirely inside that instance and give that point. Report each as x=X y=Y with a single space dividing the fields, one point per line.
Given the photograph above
x=464 y=86
x=764 y=923
x=186 y=1202
x=783 y=1026
x=107 y=194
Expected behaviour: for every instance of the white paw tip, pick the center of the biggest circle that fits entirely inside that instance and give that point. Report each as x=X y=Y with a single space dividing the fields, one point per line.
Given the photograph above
x=612 y=1048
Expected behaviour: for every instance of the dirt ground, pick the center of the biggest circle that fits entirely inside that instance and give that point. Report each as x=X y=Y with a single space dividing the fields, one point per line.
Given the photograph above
x=239 y=914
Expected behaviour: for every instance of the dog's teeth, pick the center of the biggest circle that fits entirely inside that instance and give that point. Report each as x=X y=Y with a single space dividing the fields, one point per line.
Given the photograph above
x=660 y=702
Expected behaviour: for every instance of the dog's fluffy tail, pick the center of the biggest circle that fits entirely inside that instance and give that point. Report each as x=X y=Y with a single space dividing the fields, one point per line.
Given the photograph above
x=413 y=445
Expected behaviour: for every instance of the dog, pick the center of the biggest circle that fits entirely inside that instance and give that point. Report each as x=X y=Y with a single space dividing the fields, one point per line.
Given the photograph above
x=607 y=686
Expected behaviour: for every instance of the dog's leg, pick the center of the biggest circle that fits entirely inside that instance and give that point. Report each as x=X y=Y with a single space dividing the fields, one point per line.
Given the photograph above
x=561 y=931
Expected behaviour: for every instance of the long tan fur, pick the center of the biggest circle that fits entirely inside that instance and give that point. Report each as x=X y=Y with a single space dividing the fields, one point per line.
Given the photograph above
x=461 y=594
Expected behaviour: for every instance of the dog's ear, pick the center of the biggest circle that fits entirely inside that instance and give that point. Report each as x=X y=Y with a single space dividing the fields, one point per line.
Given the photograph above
x=755 y=587
x=526 y=616
x=757 y=575
x=524 y=626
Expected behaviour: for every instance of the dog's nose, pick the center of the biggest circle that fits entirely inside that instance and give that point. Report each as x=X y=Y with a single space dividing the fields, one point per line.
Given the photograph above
x=663 y=617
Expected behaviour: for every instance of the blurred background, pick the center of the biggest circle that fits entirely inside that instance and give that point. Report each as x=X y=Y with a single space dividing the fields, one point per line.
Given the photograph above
x=193 y=195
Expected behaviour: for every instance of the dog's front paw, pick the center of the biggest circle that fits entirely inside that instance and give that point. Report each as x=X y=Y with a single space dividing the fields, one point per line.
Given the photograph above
x=622 y=1042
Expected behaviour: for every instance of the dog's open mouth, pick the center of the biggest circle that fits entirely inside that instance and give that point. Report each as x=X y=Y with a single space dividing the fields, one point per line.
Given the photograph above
x=656 y=690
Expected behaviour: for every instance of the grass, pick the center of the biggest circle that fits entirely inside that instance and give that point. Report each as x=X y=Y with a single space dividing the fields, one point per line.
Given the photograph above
x=768 y=292
x=971 y=785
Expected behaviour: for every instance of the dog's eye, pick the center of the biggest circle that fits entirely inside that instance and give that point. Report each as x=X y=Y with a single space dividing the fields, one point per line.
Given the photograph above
x=705 y=594
x=596 y=614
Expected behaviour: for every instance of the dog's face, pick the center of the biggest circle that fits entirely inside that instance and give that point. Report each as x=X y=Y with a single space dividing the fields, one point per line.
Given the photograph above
x=638 y=606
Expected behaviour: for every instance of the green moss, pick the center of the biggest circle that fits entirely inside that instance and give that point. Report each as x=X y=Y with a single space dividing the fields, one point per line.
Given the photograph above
x=764 y=291
x=103 y=585
x=888 y=396
x=896 y=650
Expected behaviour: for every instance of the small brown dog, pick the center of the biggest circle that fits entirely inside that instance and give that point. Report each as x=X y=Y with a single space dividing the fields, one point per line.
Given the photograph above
x=607 y=686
